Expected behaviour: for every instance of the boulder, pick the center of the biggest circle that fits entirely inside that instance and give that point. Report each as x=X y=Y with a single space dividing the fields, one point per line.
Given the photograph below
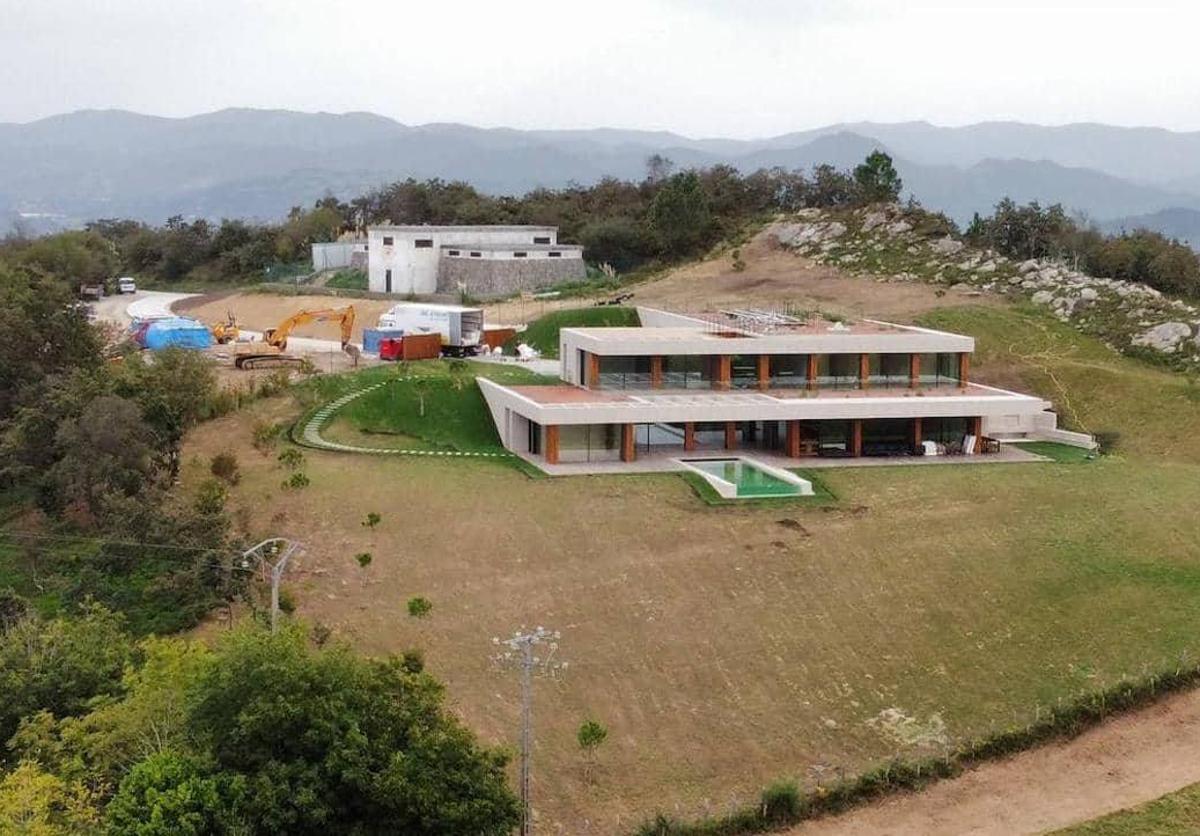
x=1028 y=266
x=899 y=227
x=874 y=219
x=946 y=246
x=1042 y=297
x=1089 y=294
x=1165 y=337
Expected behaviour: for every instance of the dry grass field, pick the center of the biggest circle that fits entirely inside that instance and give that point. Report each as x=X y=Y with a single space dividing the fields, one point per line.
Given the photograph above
x=727 y=647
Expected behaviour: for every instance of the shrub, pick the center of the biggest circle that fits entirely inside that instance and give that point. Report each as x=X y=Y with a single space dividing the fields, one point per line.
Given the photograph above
x=320 y=633
x=287 y=601
x=413 y=660
x=296 y=481
x=225 y=467
x=781 y=801
x=372 y=520
x=363 y=559
x=419 y=607
x=266 y=436
x=1107 y=441
x=291 y=458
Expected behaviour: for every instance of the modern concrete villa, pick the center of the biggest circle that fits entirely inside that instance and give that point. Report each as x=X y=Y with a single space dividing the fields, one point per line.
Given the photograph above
x=691 y=385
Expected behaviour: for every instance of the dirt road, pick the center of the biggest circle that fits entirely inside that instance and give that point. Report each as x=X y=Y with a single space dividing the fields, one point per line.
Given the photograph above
x=1124 y=762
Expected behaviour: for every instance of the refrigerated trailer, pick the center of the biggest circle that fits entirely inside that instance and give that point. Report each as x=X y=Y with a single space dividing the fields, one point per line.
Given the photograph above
x=461 y=329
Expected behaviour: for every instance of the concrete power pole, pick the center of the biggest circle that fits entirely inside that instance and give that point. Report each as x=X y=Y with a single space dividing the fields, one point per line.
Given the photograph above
x=281 y=551
x=521 y=653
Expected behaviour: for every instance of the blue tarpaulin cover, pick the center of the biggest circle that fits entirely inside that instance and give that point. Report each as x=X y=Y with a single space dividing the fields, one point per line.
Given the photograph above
x=176 y=331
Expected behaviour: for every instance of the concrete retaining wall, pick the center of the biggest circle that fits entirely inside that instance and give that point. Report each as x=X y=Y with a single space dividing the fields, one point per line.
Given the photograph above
x=499 y=277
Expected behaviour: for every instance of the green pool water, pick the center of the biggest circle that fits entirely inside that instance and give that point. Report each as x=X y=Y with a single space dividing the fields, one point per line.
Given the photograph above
x=748 y=479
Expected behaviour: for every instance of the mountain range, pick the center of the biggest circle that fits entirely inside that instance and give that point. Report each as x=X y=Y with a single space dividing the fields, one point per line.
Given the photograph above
x=64 y=170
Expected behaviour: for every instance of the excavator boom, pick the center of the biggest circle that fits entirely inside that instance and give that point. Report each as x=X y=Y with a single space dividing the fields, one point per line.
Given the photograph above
x=276 y=339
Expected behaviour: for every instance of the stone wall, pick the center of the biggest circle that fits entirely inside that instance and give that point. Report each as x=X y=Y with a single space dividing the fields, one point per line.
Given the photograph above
x=483 y=277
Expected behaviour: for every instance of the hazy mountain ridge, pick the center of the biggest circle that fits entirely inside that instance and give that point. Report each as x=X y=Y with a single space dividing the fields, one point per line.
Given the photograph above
x=259 y=163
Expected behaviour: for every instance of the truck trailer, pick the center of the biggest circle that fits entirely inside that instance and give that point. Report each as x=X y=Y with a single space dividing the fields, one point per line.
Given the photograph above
x=461 y=329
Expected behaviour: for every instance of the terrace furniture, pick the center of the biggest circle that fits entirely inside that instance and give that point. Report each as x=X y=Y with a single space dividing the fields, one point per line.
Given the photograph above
x=987 y=444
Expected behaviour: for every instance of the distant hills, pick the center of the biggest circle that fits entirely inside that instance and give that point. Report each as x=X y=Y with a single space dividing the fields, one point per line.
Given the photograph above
x=258 y=163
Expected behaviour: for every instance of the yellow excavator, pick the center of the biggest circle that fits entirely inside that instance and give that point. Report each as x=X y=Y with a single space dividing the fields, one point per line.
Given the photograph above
x=270 y=352
x=227 y=331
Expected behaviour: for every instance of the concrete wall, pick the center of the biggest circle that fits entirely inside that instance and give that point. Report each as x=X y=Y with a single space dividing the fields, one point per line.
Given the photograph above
x=415 y=269
x=503 y=275
x=334 y=255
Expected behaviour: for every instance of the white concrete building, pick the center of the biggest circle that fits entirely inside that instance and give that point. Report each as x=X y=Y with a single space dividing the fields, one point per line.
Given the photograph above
x=487 y=259
x=756 y=380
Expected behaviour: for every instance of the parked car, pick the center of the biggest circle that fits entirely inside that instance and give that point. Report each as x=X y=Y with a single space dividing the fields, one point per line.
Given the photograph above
x=126 y=284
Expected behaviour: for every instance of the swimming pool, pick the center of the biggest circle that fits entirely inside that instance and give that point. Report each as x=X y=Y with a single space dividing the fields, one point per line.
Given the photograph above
x=744 y=479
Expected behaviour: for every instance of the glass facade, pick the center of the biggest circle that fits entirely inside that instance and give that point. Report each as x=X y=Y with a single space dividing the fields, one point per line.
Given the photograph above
x=889 y=371
x=789 y=371
x=785 y=371
x=939 y=369
x=838 y=371
x=624 y=372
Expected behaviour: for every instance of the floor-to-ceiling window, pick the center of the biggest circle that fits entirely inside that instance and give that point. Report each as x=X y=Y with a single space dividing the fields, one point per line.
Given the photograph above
x=838 y=371
x=685 y=371
x=743 y=371
x=887 y=437
x=939 y=369
x=624 y=372
x=889 y=371
x=789 y=371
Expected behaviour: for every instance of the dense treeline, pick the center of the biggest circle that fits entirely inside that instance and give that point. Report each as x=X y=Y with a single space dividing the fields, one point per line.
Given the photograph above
x=105 y=727
x=1032 y=231
x=665 y=217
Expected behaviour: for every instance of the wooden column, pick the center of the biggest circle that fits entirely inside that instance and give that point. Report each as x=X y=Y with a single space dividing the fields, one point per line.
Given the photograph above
x=656 y=372
x=856 y=435
x=764 y=371
x=593 y=373
x=918 y=434
x=730 y=435
x=964 y=368
x=724 y=375
x=551 y=444
x=914 y=371
x=977 y=429
x=792 y=442
x=689 y=436
x=812 y=371
x=864 y=371
x=628 y=453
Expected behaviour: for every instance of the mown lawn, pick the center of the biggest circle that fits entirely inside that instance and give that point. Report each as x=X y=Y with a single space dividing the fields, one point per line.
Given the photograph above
x=542 y=333
x=726 y=647
x=1170 y=815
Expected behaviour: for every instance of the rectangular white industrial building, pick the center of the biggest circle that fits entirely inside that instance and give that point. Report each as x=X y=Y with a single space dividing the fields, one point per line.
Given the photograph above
x=484 y=260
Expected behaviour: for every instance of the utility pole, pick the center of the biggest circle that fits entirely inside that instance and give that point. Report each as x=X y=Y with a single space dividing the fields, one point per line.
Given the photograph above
x=282 y=550
x=521 y=653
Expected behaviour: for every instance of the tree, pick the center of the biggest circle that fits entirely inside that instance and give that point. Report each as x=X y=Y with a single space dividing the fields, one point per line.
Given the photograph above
x=330 y=744
x=60 y=665
x=658 y=168
x=679 y=215
x=591 y=734
x=170 y=794
x=73 y=258
x=877 y=179
x=36 y=803
x=107 y=449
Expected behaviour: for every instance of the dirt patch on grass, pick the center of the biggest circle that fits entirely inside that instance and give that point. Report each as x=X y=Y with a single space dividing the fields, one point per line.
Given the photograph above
x=774 y=276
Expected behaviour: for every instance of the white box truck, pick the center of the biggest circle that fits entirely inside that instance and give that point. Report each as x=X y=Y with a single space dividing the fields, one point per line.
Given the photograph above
x=461 y=328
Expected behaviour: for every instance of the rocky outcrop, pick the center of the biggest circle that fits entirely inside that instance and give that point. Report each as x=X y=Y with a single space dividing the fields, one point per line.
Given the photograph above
x=896 y=244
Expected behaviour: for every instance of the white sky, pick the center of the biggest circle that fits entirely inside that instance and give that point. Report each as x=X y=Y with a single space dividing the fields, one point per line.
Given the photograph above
x=699 y=67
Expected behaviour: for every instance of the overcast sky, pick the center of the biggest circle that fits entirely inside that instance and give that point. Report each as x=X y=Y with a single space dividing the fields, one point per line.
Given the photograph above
x=698 y=67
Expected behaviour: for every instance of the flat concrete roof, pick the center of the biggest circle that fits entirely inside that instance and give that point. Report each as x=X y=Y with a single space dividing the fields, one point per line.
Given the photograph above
x=464 y=228
x=863 y=337
x=491 y=248
x=567 y=395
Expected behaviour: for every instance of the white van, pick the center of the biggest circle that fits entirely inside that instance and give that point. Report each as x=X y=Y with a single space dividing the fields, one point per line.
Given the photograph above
x=126 y=284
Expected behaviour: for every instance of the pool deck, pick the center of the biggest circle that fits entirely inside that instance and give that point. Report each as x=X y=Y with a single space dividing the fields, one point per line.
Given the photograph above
x=667 y=461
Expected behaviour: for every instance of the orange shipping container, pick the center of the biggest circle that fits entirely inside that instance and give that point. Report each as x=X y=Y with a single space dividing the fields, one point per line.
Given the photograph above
x=421 y=346
x=497 y=337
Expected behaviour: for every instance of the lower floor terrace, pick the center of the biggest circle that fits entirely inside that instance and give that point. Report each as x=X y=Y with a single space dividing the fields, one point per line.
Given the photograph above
x=795 y=439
